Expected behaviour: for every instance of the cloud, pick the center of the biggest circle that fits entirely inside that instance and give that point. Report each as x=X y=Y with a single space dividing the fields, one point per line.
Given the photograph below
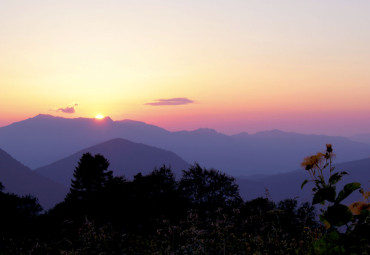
x=68 y=109
x=171 y=101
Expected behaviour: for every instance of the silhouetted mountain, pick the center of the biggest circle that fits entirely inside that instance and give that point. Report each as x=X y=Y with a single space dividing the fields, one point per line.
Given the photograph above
x=125 y=157
x=21 y=180
x=288 y=185
x=44 y=139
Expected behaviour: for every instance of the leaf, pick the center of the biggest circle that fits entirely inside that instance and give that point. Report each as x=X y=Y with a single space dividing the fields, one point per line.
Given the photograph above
x=328 y=243
x=335 y=178
x=327 y=193
x=332 y=236
x=304 y=183
x=338 y=215
x=347 y=190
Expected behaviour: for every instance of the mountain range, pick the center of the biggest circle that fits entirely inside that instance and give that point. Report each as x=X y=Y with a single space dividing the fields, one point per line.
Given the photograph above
x=260 y=161
x=44 y=139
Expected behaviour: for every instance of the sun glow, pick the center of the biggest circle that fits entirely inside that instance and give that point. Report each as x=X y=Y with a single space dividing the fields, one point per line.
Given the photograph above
x=99 y=117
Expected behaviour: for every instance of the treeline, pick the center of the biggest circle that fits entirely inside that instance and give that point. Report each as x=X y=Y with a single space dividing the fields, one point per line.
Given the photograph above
x=201 y=213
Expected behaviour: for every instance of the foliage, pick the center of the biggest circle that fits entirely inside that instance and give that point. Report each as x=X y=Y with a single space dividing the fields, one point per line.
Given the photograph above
x=348 y=228
x=18 y=216
x=282 y=228
x=93 y=239
x=150 y=197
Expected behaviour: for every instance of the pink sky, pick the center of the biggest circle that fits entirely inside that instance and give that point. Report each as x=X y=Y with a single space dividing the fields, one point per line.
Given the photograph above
x=255 y=65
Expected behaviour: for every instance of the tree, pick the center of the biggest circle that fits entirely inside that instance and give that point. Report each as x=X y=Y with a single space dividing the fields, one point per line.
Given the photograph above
x=209 y=189
x=18 y=220
x=151 y=198
x=90 y=177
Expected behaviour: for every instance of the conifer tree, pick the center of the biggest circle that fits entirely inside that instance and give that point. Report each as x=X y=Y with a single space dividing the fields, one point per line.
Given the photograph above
x=90 y=177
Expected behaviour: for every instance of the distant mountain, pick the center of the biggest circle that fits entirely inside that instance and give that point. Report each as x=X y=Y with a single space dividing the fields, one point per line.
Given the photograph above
x=364 y=138
x=21 y=180
x=125 y=158
x=261 y=153
x=44 y=139
x=288 y=185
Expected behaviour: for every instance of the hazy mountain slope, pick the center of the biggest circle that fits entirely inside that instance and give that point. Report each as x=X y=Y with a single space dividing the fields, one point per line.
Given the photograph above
x=44 y=139
x=21 y=180
x=364 y=138
x=265 y=152
x=125 y=157
x=287 y=185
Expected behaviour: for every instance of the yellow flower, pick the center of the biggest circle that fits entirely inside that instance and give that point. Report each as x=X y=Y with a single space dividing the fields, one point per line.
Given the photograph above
x=312 y=161
x=327 y=224
x=366 y=194
x=357 y=207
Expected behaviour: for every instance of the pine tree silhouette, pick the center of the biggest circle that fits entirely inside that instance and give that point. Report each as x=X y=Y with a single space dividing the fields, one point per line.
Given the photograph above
x=90 y=177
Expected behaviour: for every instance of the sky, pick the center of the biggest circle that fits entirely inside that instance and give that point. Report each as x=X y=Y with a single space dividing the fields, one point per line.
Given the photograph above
x=233 y=65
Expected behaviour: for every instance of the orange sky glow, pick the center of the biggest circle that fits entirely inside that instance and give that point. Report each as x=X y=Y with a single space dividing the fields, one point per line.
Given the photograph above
x=233 y=66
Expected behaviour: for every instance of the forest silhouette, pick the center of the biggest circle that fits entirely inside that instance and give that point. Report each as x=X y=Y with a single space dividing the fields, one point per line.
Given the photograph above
x=201 y=213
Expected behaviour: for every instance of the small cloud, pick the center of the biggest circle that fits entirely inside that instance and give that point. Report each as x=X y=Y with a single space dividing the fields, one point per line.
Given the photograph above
x=68 y=109
x=171 y=101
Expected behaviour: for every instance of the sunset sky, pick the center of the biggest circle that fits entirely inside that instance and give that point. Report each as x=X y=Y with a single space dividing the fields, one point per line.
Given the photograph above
x=231 y=65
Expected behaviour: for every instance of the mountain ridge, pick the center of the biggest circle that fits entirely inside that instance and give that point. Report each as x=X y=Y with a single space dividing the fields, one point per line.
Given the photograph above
x=19 y=179
x=45 y=139
x=126 y=159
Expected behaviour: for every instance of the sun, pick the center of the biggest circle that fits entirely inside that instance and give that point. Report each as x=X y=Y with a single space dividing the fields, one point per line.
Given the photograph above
x=99 y=117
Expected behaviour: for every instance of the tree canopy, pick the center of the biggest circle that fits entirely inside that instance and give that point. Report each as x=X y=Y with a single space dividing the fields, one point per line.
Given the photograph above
x=209 y=188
